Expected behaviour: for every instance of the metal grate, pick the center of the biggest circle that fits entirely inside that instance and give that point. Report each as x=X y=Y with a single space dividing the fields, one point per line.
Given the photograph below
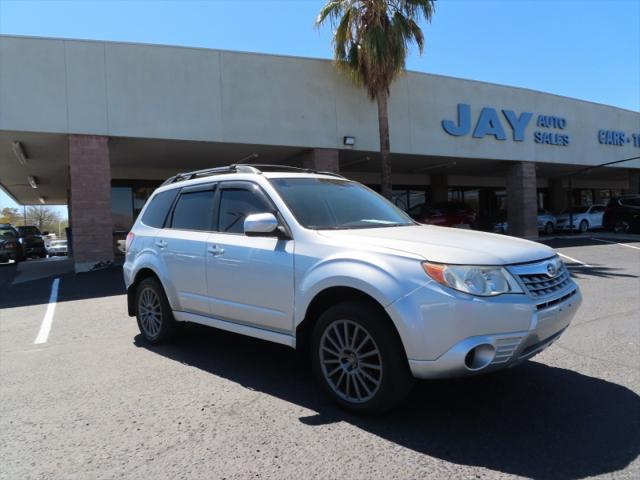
x=505 y=348
x=540 y=285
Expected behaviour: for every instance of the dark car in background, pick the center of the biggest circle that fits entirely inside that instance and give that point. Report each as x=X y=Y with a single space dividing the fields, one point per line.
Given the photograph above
x=32 y=241
x=10 y=246
x=622 y=214
x=445 y=214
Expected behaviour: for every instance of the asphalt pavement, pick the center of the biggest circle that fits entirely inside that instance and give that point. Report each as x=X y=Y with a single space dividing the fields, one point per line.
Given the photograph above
x=95 y=401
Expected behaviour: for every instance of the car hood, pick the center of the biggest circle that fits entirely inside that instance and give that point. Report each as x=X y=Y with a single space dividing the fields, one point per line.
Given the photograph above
x=446 y=245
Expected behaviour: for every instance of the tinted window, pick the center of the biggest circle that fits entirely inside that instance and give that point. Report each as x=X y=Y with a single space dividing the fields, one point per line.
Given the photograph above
x=633 y=202
x=29 y=231
x=597 y=209
x=320 y=203
x=157 y=210
x=236 y=205
x=8 y=232
x=194 y=211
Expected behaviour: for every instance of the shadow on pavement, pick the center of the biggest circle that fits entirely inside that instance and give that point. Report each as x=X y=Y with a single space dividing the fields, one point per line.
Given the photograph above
x=534 y=420
x=581 y=271
x=100 y=283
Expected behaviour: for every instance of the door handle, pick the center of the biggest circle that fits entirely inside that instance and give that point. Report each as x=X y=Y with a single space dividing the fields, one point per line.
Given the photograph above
x=161 y=244
x=215 y=250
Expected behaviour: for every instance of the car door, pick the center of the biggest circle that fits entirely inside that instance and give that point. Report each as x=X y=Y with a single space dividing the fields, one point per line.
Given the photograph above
x=596 y=213
x=250 y=278
x=182 y=246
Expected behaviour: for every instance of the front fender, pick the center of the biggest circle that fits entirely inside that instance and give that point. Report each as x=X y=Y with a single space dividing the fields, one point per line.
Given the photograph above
x=383 y=280
x=148 y=259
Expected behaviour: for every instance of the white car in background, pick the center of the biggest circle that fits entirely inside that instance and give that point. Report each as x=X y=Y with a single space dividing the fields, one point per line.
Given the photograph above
x=546 y=223
x=584 y=218
x=57 y=247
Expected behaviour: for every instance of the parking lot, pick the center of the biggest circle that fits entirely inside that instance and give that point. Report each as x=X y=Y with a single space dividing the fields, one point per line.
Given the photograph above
x=95 y=401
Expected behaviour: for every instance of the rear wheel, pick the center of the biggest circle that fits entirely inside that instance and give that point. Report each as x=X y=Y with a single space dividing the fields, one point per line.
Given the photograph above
x=548 y=228
x=584 y=226
x=359 y=360
x=153 y=313
x=622 y=225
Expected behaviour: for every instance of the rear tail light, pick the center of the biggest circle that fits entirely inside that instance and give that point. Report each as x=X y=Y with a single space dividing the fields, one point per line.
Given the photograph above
x=130 y=237
x=10 y=245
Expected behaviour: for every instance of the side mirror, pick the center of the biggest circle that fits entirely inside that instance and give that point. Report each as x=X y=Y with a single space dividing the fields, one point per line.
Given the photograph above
x=260 y=224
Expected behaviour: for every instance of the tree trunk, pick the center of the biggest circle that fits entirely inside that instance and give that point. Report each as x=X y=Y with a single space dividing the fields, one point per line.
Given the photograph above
x=383 y=127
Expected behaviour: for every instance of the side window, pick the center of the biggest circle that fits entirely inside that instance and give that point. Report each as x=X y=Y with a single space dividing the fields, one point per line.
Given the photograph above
x=156 y=212
x=236 y=205
x=194 y=211
x=597 y=209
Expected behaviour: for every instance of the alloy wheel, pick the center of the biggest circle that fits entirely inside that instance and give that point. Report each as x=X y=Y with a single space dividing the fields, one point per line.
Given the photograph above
x=150 y=312
x=351 y=361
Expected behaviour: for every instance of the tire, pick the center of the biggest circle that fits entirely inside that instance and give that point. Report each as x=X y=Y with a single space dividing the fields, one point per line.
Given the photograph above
x=548 y=228
x=42 y=255
x=383 y=377
x=622 y=225
x=153 y=313
x=584 y=226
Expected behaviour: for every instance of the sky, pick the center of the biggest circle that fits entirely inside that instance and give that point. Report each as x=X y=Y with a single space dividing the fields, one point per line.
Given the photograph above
x=586 y=49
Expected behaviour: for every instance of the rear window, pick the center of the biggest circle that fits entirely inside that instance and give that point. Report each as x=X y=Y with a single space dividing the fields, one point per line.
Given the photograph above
x=29 y=230
x=156 y=212
x=194 y=211
x=8 y=232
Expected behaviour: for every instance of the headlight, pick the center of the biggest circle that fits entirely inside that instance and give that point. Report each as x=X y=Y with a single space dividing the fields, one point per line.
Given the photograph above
x=476 y=280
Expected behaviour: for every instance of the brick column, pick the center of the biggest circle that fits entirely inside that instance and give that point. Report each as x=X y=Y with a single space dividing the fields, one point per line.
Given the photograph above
x=439 y=188
x=522 y=202
x=323 y=159
x=90 y=201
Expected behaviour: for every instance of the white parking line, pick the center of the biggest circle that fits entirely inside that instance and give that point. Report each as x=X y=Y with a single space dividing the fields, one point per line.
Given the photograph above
x=45 y=327
x=574 y=260
x=615 y=243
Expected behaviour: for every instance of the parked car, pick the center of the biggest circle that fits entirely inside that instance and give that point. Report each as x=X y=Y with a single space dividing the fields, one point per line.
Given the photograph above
x=445 y=214
x=584 y=218
x=32 y=241
x=57 y=248
x=10 y=246
x=546 y=222
x=623 y=214
x=323 y=264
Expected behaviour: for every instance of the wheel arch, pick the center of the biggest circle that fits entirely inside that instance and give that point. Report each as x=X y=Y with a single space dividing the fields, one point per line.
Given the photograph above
x=144 y=272
x=331 y=296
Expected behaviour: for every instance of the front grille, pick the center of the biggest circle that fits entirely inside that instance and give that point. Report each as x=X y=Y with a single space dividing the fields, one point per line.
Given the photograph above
x=539 y=285
x=555 y=301
x=505 y=348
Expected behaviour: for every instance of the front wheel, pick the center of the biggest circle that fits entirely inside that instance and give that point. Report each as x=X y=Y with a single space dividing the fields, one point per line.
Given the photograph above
x=584 y=226
x=153 y=313
x=359 y=359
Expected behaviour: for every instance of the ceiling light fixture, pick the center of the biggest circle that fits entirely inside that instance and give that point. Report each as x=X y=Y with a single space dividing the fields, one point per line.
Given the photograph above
x=19 y=152
x=32 y=181
x=349 y=141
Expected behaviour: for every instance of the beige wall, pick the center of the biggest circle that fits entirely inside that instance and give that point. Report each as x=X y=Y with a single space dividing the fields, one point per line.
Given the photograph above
x=130 y=90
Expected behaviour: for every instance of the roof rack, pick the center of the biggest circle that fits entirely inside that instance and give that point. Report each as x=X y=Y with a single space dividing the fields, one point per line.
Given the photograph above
x=258 y=169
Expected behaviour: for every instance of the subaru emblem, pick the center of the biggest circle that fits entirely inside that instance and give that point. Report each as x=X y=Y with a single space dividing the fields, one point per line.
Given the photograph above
x=551 y=270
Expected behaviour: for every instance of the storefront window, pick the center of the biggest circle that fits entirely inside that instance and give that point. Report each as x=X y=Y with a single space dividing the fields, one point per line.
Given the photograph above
x=121 y=208
x=407 y=199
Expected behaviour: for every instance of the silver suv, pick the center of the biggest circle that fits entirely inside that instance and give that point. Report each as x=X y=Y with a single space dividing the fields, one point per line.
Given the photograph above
x=314 y=261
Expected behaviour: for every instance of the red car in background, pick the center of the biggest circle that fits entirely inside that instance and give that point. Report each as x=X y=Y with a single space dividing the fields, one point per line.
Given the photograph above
x=445 y=214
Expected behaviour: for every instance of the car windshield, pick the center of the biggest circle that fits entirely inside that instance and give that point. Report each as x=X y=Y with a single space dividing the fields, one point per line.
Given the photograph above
x=577 y=210
x=28 y=231
x=8 y=232
x=332 y=204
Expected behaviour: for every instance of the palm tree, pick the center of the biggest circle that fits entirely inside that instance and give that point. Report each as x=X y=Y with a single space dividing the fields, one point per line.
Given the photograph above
x=371 y=42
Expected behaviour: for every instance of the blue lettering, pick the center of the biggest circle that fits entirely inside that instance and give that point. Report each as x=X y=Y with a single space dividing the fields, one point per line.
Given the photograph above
x=518 y=124
x=489 y=124
x=464 y=122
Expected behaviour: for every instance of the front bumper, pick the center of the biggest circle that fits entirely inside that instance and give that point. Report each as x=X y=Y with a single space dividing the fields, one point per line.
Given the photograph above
x=464 y=335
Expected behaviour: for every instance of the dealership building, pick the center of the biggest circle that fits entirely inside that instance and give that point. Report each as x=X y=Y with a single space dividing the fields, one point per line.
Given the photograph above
x=98 y=125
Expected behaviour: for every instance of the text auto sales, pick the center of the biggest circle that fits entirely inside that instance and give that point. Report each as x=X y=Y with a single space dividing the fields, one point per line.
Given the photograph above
x=489 y=123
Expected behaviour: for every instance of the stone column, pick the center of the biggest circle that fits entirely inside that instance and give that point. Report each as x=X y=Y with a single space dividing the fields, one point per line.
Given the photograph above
x=90 y=201
x=323 y=159
x=439 y=188
x=522 y=202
